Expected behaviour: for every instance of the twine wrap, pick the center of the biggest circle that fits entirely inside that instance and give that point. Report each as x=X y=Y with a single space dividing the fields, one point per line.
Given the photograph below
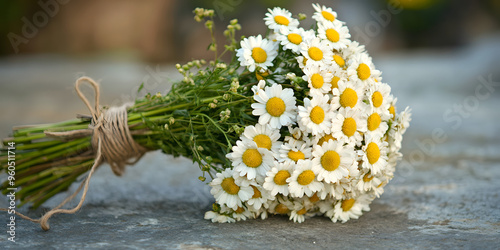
x=111 y=142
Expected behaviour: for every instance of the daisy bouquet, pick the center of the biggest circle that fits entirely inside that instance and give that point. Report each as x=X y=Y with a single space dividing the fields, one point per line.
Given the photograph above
x=299 y=123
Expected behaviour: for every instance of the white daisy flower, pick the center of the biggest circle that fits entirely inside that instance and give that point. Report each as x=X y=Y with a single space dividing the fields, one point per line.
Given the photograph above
x=262 y=212
x=257 y=52
x=339 y=77
x=319 y=80
x=332 y=161
x=249 y=160
x=349 y=94
x=336 y=34
x=260 y=85
x=295 y=150
x=313 y=199
x=379 y=96
x=394 y=158
x=340 y=189
x=322 y=138
x=275 y=106
x=301 y=61
x=362 y=68
x=324 y=14
x=295 y=133
x=282 y=205
x=403 y=120
x=260 y=197
x=317 y=52
x=376 y=123
x=399 y=126
x=278 y=18
x=368 y=181
x=348 y=126
x=292 y=38
x=374 y=154
x=339 y=62
x=239 y=214
x=298 y=212
x=315 y=116
x=263 y=135
x=217 y=217
x=379 y=190
x=303 y=180
x=353 y=48
x=276 y=180
x=230 y=189
x=392 y=108
x=351 y=208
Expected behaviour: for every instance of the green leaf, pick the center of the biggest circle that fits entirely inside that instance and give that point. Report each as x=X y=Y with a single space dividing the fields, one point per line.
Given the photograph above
x=181 y=112
x=140 y=88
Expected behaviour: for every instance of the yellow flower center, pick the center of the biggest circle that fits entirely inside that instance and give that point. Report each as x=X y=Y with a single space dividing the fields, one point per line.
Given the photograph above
x=377 y=99
x=317 y=81
x=315 y=53
x=363 y=71
x=281 y=209
x=294 y=38
x=239 y=210
x=332 y=35
x=281 y=20
x=326 y=138
x=339 y=60
x=330 y=160
x=256 y=193
x=296 y=155
x=261 y=75
x=335 y=82
x=275 y=106
x=372 y=152
x=347 y=204
x=328 y=16
x=306 y=177
x=281 y=176
x=392 y=110
x=348 y=98
x=263 y=141
x=229 y=186
x=349 y=126
x=367 y=178
x=302 y=211
x=259 y=55
x=252 y=158
x=314 y=198
x=317 y=115
x=373 y=121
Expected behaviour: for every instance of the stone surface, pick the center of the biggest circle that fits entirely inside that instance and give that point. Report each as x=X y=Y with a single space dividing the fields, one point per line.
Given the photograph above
x=444 y=195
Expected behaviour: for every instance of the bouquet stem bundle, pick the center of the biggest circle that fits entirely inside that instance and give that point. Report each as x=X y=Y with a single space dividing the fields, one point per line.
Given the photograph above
x=186 y=122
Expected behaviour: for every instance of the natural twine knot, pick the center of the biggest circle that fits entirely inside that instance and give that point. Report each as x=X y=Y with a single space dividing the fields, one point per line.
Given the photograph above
x=110 y=128
x=111 y=141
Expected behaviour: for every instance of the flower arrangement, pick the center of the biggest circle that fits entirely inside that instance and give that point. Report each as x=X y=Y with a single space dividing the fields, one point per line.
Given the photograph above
x=327 y=139
x=298 y=123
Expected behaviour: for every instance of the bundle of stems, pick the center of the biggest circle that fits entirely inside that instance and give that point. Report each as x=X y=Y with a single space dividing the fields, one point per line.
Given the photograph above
x=192 y=120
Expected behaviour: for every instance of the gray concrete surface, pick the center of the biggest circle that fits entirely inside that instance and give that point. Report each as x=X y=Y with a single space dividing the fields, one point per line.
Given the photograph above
x=445 y=193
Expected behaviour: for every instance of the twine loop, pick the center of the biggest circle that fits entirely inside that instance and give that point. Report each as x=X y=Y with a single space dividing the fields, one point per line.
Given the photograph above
x=111 y=141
